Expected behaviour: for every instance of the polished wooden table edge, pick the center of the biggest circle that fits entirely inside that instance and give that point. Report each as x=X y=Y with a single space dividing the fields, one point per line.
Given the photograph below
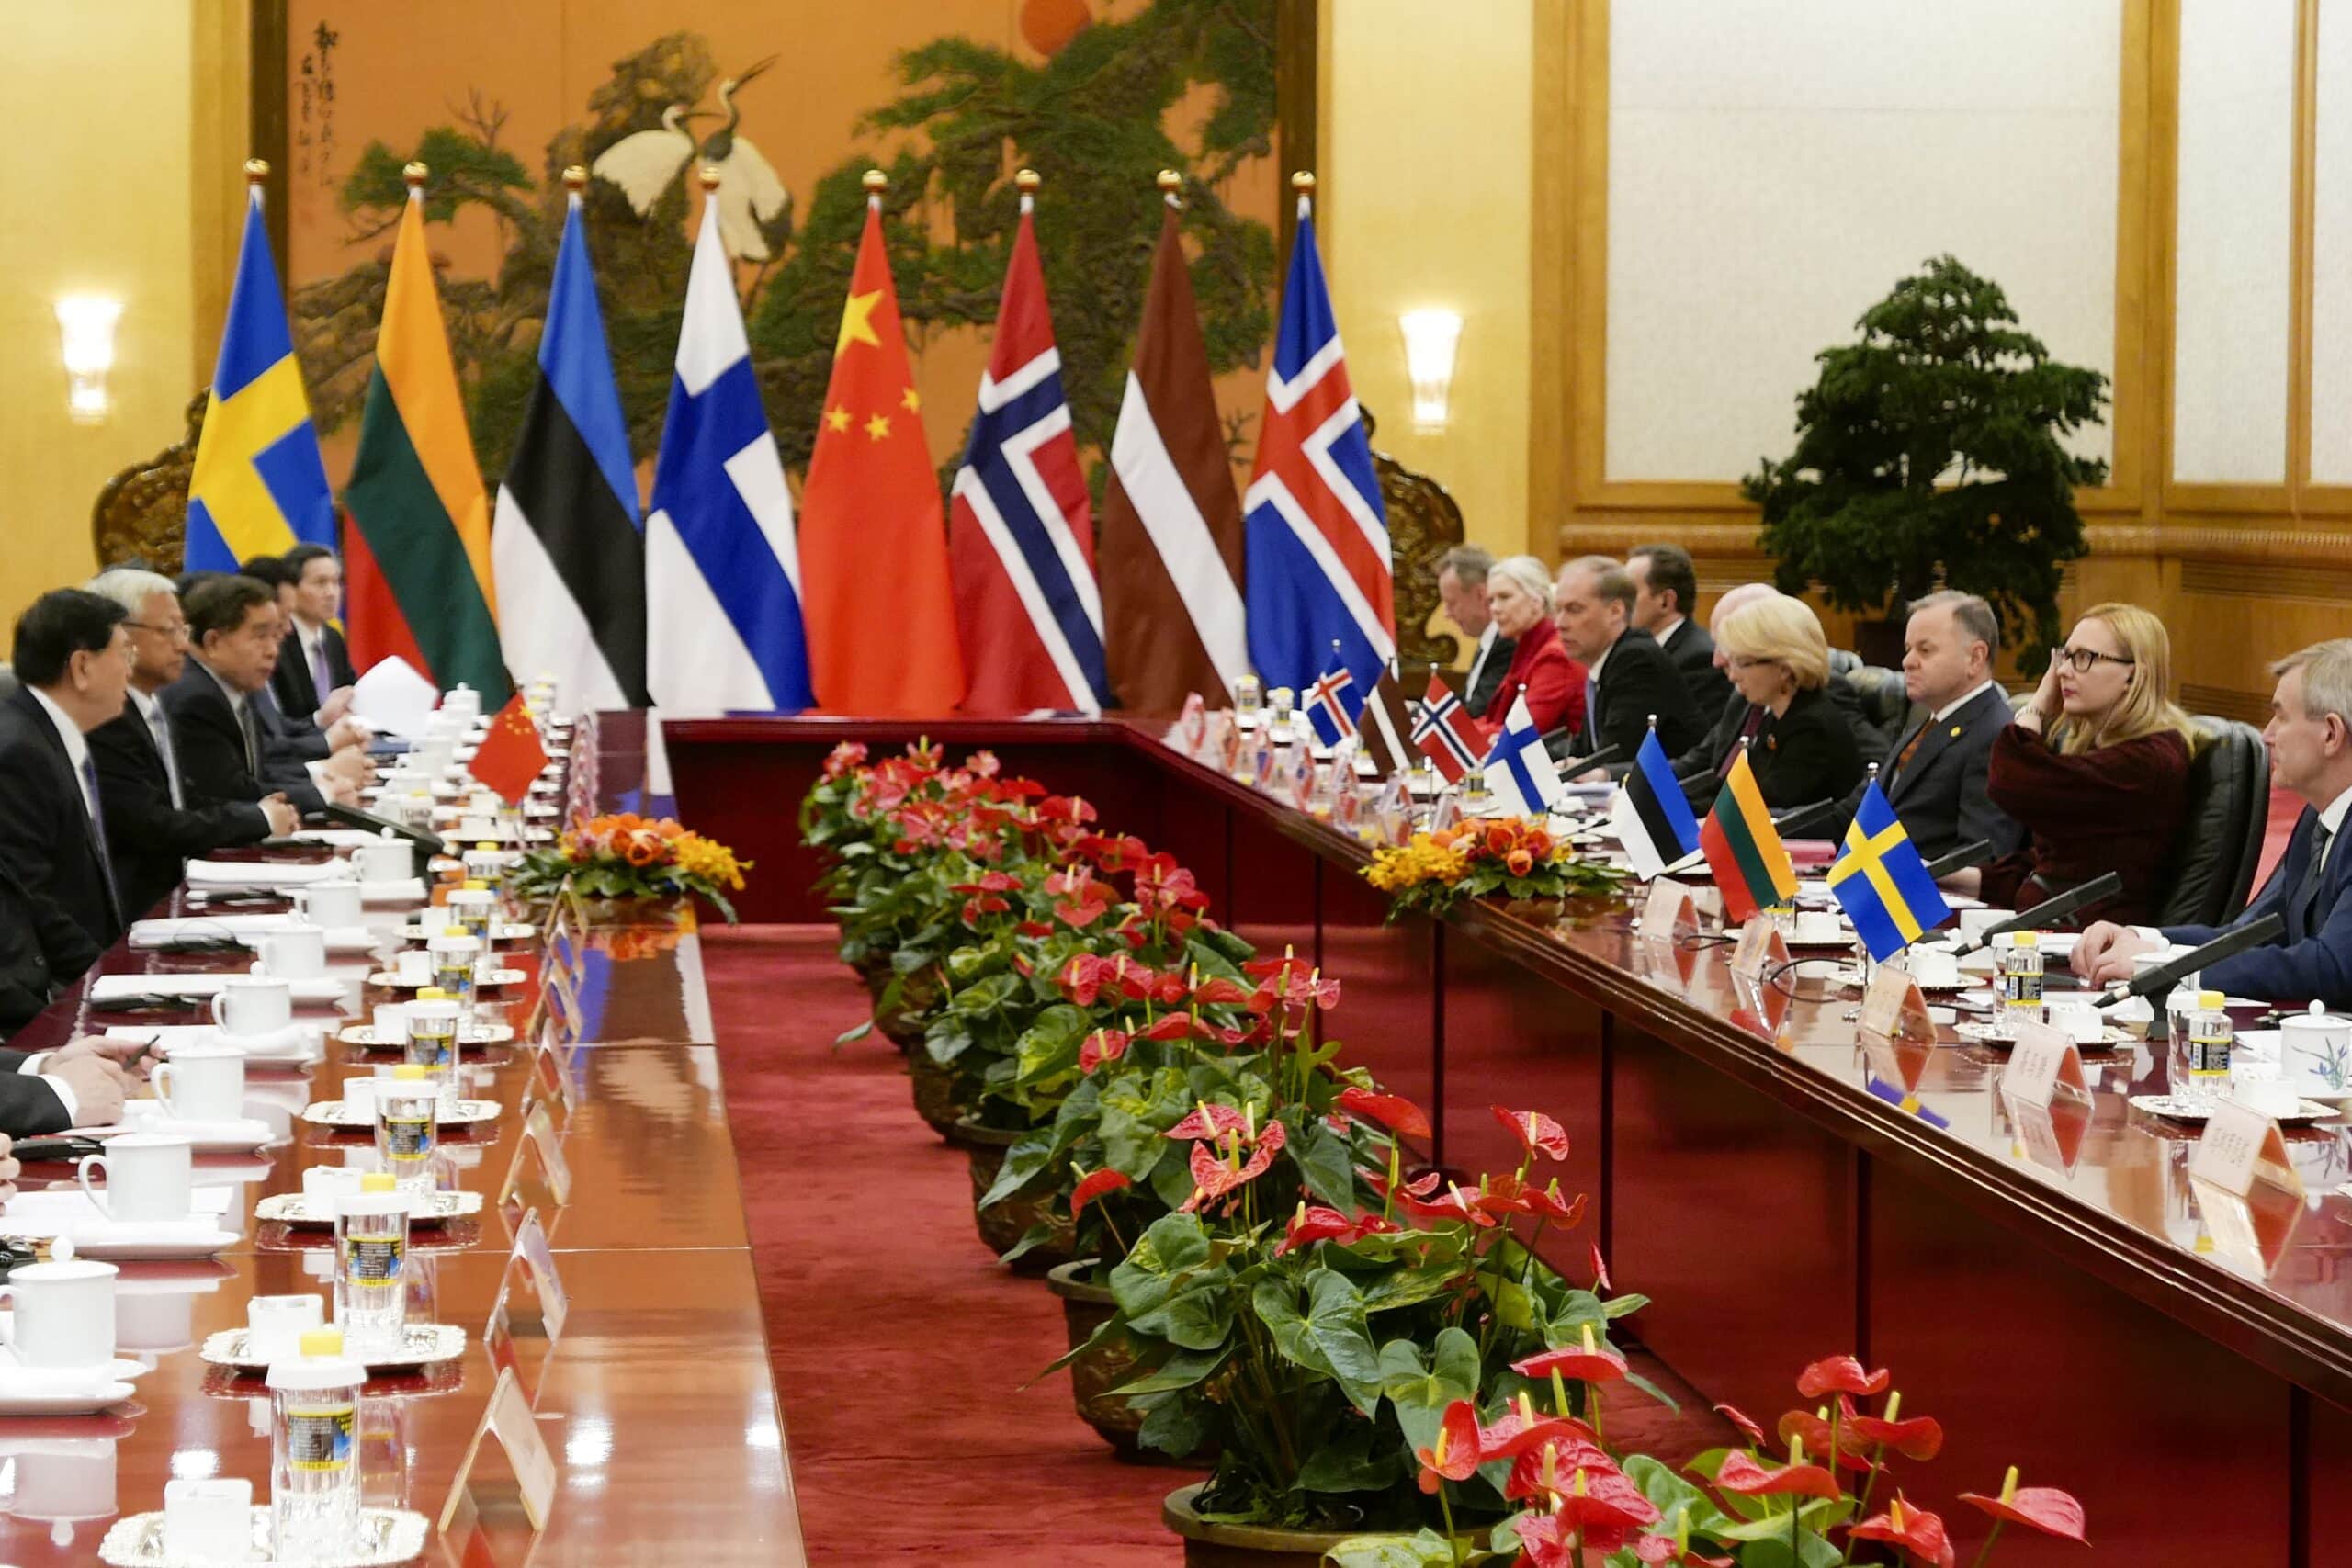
x=2234 y=1311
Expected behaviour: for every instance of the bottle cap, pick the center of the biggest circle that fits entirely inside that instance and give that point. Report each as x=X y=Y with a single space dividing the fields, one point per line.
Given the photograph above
x=476 y=884
x=454 y=931
x=379 y=1181
x=487 y=848
x=323 y=1342
x=2210 y=1002
x=431 y=994
x=2024 y=939
x=321 y=1366
x=409 y=1072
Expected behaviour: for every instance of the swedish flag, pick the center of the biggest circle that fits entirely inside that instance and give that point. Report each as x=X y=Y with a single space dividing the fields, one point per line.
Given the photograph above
x=1882 y=883
x=259 y=486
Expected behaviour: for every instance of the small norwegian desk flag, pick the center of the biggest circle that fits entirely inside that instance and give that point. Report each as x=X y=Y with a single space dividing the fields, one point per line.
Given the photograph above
x=1444 y=732
x=510 y=756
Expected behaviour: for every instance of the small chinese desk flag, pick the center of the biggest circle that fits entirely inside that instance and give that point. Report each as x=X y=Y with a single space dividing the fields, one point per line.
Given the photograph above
x=510 y=756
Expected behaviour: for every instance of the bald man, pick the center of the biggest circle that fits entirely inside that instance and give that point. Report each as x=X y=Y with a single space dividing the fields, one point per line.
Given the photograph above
x=1701 y=768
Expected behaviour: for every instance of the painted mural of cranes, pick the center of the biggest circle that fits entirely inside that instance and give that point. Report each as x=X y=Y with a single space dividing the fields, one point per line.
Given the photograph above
x=752 y=201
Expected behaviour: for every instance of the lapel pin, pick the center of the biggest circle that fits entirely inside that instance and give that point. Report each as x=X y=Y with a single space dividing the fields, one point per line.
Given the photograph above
x=1955 y=732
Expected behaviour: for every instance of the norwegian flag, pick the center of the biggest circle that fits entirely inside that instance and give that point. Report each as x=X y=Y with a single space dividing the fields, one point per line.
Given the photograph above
x=1446 y=733
x=1327 y=705
x=1317 y=562
x=1021 y=536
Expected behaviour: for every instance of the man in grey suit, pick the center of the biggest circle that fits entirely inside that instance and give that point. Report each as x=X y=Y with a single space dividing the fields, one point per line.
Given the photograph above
x=1666 y=587
x=1935 y=775
x=1461 y=593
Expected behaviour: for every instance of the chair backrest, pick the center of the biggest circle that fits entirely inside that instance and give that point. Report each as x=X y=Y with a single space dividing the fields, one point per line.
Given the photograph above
x=1884 y=702
x=2221 y=839
x=8 y=681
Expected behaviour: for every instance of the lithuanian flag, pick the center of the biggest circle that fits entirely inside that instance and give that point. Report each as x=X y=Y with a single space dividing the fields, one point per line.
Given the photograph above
x=1744 y=850
x=416 y=548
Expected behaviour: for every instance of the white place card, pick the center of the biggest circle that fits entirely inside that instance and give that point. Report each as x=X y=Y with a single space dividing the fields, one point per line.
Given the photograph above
x=2236 y=1143
x=539 y=1136
x=2044 y=1058
x=1669 y=912
x=1761 y=946
x=1893 y=1006
x=509 y=1418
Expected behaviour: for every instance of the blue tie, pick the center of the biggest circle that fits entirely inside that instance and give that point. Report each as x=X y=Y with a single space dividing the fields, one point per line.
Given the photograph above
x=1593 y=712
x=97 y=823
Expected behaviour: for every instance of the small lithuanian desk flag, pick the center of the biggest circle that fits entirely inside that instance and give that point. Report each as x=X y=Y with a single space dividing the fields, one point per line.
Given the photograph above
x=1744 y=850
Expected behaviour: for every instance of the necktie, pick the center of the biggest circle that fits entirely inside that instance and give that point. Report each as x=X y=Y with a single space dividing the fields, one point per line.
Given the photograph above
x=1747 y=732
x=252 y=728
x=160 y=728
x=319 y=682
x=2307 y=893
x=97 y=823
x=1911 y=747
x=1592 y=709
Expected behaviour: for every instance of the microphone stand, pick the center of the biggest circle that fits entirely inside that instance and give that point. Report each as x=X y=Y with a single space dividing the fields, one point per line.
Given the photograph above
x=2227 y=945
x=2058 y=908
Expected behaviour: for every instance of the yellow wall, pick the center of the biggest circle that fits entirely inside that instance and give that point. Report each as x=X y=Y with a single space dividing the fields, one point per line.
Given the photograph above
x=1428 y=161
x=97 y=194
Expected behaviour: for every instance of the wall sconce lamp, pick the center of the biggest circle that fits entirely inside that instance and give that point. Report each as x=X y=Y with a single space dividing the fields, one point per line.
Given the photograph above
x=1430 y=339
x=86 y=324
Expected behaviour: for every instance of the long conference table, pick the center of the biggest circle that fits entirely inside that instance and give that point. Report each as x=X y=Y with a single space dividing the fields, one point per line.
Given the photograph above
x=1782 y=1190
x=655 y=1399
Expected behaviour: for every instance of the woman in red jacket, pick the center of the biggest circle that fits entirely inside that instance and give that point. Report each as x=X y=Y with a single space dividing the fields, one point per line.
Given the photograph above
x=2096 y=770
x=1519 y=594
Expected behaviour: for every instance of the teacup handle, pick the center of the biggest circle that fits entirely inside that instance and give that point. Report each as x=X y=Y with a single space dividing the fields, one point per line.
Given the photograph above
x=159 y=1079
x=9 y=1337
x=82 y=1174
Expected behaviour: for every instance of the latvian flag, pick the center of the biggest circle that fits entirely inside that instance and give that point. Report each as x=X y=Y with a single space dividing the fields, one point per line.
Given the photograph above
x=567 y=545
x=1744 y=848
x=1652 y=818
x=1445 y=733
x=1021 y=536
x=1386 y=726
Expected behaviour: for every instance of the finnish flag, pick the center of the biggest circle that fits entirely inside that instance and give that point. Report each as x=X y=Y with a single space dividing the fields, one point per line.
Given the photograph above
x=1519 y=771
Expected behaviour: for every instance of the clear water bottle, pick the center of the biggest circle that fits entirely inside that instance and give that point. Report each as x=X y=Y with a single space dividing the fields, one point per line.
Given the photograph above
x=2181 y=1007
x=370 y=1260
x=2201 y=1052
x=432 y=1022
x=314 y=1451
x=407 y=1105
x=455 y=958
x=2021 y=978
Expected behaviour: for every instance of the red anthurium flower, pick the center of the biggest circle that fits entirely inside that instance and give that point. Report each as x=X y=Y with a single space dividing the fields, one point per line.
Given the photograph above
x=1742 y=1474
x=1453 y=1205
x=1544 y=1203
x=1839 y=1374
x=1034 y=929
x=1308 y=1227
x=1537 y=1133
x=1920 y=1437
x=1209 y=1120
x=1599 y=1506
x=1088 y=976
x=1420 y=1185
x=1550 y=1466
x=1915 y=1531
x=988 y=904
x=843 y=758
x=1102 y=1046
x=1096 y=1185
x=1213 y=1179
x=1660 y=1549
x=1079 y=913
x=1600 y=1269
x=1804 y=1426
x=1393 y=1111
x=1748 y=1429
x=2044 y=1508
x=1589 y=1363
x=1217 y=990
x=1520 y=1430
x=1455 y=1456
x=1166 y=988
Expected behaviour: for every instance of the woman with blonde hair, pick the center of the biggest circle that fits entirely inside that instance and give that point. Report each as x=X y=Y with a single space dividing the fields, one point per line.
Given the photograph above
x=2095 y=770
x=1803 y=750
x=1519 y=595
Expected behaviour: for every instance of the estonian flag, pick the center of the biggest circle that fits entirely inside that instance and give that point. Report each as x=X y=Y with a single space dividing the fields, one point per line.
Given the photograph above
x=1882 y=883
x=1652 y=818
x=1519 y=771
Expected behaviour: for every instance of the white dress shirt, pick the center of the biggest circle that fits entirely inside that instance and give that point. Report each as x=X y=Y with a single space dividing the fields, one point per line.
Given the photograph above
x=1485 y=646
x=77 y=750
x=1959 y=703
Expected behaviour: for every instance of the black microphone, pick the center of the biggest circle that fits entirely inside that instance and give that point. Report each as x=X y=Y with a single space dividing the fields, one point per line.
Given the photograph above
x=1600 y=759
x=2227 y=945
x=2058 y=908
x=1974 y=852
x=1806 y=815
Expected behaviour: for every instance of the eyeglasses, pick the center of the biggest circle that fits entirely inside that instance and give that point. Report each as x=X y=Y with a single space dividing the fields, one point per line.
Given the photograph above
x=177 y=631
x=2081 y=659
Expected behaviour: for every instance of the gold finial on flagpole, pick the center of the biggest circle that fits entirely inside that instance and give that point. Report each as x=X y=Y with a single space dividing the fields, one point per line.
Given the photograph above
x=710 y=177
x=1027 y=181
x=1170 y=181
x=256 y=171
x=1303 y=182
x=575 y=178
x=876 y=182
x=414 y=175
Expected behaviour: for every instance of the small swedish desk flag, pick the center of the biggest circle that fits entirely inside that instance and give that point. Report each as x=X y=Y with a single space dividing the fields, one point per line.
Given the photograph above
x=1882 y=883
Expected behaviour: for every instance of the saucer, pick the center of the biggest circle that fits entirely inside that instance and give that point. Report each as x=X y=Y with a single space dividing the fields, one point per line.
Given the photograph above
x=65 y=1390
x=2000 y=1038
x=387 y=1536
x=241 y=1137
x=160 y=1240
x=501 y=931
x=422 y=1344
x=392 y=982
x=42 y=1379
x=424 y=1208
x=2172 y=1110
x=363 y=1036
x=332 y=1113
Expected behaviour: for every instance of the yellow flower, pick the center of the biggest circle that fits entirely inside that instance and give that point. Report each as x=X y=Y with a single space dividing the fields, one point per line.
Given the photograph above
x=706 y=858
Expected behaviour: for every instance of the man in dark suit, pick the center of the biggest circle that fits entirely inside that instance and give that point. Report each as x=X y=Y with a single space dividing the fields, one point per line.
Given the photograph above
x=80 y=1085
x=1462 y=592
x=314 y=676
x=1666 y=587
x=2310 y=736
x=73 y=658
x=152 y=828
x=1935 y=775
x=1628 y=678
x=216 y=731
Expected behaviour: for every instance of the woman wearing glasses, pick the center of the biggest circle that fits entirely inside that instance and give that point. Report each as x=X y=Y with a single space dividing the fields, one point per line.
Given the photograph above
x=2096 y=769
x=1803 y=751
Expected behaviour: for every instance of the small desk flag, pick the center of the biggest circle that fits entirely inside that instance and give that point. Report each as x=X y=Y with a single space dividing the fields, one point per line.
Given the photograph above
x=1652 y=818
x=1882 y=883
x=1744 y=848
x=1519 y=771
x=1332 y=704
x=1445 y=733
x=510 y=755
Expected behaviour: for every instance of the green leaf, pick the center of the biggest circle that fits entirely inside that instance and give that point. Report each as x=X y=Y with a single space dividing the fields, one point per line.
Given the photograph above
x=1652 y=1388
x=1361 y=1459
x=1173 y=1247
x=1132 y=1146
x=1198 y=1319
x=1174 y=1426
x=851 y=1036
x=1022 y=1162
x=1329 y=1338
x=1425 y=1549
x=1182 y=1370
x=1323 y=1164
x=1674 y=1496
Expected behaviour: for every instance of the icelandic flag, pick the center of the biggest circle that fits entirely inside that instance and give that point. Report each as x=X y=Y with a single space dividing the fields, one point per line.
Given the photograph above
x=1332 y=704
x=1021 y=536
x=1315 y=568
x=1519 y=771
x=1444 y=732
x=1882 y=883
x=1652 y=816
x=722 y=567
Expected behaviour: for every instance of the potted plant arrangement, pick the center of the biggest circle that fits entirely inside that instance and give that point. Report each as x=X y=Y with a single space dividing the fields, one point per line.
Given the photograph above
x=626 y=856
x=1516 y=858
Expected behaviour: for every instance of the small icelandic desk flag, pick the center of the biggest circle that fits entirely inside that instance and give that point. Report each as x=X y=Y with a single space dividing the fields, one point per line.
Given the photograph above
x=1882 y=883
x=510 y=755
x=1445 y=733
x=1744 y=850
x=1331 y=706
x=1652 y=820
x=1519 y=771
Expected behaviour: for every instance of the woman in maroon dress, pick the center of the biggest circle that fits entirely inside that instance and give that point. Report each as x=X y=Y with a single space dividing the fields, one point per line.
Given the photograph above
x=2096 y=768
x=1518 y=592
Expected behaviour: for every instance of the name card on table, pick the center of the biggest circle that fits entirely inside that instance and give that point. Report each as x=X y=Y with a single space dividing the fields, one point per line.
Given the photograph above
x=2051 y=1135
x=2239 y=1146
x=539 y=1137
x=509 y=1418
x=1761 y=946
x=1669 y=912
x=2044 y=1058
x=1893 y=1006
x=549 y=1083
x=533 y=1259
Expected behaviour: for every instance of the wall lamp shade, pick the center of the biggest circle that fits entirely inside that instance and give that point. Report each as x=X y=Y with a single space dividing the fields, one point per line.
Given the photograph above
x=86 y=324
x=1433 y=338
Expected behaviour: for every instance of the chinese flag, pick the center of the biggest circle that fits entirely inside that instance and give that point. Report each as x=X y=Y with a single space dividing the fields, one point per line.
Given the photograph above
x=510 y=755
x=878 y=603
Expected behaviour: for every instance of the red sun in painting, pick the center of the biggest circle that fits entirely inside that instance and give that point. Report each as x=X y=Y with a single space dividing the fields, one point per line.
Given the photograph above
x=1049 y=25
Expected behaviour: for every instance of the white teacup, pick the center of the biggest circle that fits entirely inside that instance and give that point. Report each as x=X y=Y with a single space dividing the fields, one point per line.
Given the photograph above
x=275 y=1325
x=292 y=953
x=385 y=860
x=323 y=1184
x=2079 y=1022
x=360 y=1095
x=2270 y=1096
x=64 y=1314
x=1974 y=923
x=414 y=966
x=149 y=1177
x=253 y=1004
x=1934 y=967
x=1817 y=927
x=329 y=905
x=209 y=1521
x=477 y=827
x=202 y=1083
x=2315 y=1053
x=391 y=1023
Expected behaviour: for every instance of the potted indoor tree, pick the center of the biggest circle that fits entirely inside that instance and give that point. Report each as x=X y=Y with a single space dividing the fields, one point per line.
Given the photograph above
x=1930 y=452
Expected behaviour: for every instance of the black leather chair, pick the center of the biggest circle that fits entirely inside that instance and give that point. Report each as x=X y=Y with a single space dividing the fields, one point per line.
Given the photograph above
x=8 y=681
x=1884 y=702
x=2221 y=839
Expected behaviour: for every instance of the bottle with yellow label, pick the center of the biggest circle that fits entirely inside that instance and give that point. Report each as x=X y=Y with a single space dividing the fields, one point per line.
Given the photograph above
x=2021 y=978
x=314 y=1450
x=2201 y=1054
